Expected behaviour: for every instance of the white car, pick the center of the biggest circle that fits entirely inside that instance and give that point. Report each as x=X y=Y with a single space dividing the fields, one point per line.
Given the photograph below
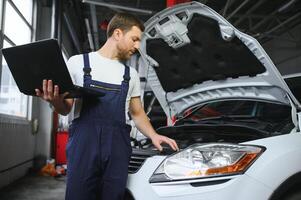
x=233 y=116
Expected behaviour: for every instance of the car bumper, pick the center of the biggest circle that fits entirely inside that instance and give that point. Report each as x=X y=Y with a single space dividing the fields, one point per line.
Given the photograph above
x=228 y=187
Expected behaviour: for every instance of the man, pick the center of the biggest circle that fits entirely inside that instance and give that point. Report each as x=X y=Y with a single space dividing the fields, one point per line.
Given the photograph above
x=99 y=147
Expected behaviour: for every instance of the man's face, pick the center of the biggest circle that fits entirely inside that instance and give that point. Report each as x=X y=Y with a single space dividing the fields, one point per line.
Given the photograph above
x=129 y=43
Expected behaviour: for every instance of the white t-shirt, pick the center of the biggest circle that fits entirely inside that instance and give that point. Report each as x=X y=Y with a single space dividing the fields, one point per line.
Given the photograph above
x=105 y=70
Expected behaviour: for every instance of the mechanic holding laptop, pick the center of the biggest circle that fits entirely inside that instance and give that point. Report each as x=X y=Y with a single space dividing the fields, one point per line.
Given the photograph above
x=99 y=149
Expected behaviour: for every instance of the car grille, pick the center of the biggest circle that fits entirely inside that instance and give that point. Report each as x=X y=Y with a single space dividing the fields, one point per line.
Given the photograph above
x=137 y=159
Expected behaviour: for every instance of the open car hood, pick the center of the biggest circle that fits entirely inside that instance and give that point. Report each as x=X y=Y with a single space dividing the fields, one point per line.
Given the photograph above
x=191 y=56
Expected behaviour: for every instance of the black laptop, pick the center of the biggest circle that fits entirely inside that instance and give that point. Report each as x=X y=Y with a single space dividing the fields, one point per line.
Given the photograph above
x=31 y=63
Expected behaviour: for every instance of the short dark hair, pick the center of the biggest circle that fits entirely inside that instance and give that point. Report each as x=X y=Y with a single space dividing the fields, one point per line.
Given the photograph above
x=123 y=21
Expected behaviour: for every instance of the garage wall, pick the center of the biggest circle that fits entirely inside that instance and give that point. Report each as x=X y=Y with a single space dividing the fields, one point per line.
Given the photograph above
x=285 y=51
x=44 y=113
x=20 y=147
x=16 y=149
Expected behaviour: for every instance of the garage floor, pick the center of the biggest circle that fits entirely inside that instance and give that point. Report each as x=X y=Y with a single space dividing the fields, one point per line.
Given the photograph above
x=35 y=187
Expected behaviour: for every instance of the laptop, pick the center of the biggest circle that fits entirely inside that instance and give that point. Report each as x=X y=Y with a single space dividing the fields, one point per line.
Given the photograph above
x=31 y=63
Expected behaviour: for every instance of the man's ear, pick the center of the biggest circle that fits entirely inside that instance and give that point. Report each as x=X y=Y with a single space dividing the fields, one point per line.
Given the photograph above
x=117 y=34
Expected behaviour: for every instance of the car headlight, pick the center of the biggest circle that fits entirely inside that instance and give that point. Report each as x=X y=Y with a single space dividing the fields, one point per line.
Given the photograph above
x=206 y=160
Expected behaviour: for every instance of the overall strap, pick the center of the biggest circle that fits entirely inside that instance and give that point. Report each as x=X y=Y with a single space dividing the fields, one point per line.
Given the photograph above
x=126 y=76
x=125 y=88
x=86 y=69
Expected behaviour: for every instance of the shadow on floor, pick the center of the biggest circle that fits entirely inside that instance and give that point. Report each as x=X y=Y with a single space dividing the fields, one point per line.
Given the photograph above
x=35 y=187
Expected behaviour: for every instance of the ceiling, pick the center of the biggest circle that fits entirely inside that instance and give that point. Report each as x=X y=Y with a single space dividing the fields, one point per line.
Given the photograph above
x=262 y=19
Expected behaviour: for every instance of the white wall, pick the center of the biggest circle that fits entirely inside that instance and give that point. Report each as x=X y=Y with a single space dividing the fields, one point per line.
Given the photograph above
x=43 y=138
x=20 y=148
x=16 y=147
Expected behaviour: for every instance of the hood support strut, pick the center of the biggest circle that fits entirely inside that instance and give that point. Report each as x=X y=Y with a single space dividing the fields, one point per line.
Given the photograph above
x=295 y=116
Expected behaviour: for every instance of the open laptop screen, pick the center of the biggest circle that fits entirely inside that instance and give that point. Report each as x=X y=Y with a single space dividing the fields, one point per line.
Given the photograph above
x=31 y=63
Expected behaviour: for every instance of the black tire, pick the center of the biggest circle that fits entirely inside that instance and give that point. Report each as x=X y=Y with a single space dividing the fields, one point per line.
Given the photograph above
x=296 y=195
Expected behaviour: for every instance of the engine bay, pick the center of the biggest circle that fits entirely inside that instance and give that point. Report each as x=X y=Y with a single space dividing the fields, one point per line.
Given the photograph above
x=186 y=135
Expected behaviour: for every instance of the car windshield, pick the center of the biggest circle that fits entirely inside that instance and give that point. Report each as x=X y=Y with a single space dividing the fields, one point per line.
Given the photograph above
x=265 y=116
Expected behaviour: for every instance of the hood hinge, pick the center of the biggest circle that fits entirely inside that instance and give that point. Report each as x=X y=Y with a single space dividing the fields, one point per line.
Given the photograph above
x=148 y=61
x=295 y=116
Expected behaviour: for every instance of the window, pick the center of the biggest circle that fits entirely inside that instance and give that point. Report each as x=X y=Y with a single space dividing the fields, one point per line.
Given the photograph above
x=25 y=7
x=17 y=29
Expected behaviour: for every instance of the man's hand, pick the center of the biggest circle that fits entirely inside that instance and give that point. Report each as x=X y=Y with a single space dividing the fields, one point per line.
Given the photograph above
x=157 y=140
x=52 y=95
x=144 y=126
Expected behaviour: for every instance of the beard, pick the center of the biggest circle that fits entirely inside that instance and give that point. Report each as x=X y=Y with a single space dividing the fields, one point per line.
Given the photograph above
x=123 y=54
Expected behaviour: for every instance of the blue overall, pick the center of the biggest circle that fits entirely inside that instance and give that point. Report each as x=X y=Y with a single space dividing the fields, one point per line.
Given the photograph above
x=98 y=150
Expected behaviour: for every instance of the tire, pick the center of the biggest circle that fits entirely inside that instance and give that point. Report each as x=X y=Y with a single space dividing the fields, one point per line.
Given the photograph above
x=296 y=195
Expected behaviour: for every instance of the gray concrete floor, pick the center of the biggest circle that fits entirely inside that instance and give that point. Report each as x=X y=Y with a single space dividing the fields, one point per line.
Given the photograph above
x=35 y=187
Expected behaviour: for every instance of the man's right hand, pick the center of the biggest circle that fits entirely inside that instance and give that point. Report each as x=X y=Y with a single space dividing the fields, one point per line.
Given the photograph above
x=52 y=95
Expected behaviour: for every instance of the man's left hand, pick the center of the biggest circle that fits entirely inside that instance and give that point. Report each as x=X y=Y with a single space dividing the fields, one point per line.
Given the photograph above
x=157 y=140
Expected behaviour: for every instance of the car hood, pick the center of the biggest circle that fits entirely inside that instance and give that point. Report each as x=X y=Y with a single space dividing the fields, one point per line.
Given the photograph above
x=191 y=55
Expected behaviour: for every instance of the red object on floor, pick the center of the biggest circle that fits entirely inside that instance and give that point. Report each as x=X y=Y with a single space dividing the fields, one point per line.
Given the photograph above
x=61 y=142
x=170 y=3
